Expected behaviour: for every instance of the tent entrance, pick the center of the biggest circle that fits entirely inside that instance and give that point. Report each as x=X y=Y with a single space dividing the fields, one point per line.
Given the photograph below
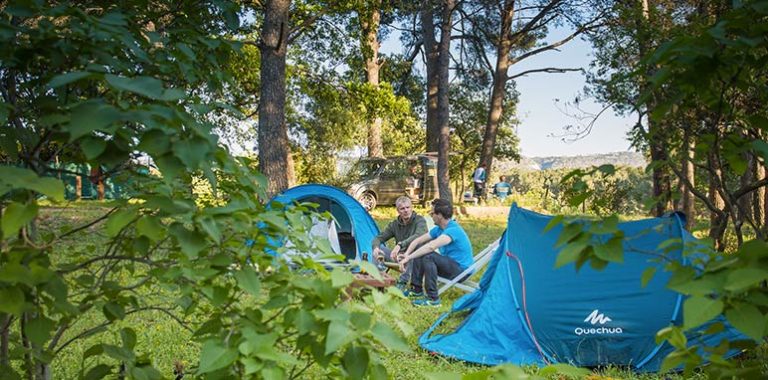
x=347 y=241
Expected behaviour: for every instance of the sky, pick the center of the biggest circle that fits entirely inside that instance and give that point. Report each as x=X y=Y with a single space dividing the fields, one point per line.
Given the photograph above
x=542 y=118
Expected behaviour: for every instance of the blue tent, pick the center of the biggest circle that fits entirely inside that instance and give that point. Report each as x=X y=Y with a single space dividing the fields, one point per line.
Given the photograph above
x=355 y=227
x=528 y=312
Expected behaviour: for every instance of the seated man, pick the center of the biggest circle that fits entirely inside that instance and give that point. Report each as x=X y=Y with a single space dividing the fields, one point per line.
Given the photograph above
x=428 y=264
x=405 y=228
x=502 y=188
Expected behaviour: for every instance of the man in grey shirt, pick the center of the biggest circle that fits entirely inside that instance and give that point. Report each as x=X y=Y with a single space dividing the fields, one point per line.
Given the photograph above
x=405 y=228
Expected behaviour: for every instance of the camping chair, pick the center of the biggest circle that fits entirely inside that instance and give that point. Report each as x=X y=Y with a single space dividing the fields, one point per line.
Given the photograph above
x=478 y=262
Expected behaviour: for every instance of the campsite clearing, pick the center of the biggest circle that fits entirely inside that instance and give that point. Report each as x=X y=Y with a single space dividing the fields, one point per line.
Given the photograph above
x=165 y=342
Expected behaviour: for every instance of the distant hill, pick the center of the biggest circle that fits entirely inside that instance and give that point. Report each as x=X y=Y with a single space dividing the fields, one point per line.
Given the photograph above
x=632 y=159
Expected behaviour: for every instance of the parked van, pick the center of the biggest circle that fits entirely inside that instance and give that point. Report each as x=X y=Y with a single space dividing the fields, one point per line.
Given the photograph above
x=377 y=181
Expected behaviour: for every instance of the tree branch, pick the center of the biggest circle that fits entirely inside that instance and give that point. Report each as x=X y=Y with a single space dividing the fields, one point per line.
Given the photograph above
x=552 y=70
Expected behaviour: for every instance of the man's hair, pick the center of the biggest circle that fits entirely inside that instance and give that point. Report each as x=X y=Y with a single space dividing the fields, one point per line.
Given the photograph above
x=442 y=207
x=402 y=200
x=501 y=178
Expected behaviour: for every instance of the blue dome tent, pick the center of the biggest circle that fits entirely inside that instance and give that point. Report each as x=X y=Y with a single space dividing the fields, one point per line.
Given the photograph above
x=528 y=312
x=355 y=227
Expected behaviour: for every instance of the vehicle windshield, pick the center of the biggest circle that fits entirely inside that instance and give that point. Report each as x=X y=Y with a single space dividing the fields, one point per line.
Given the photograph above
x=364 y=169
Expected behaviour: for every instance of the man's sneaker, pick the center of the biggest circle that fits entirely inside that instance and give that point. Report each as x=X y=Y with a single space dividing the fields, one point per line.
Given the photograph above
x=426 y=302
x=410 y=293
x=403 y=286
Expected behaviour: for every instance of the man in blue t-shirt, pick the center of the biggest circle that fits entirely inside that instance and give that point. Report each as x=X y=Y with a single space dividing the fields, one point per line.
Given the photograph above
x=502 y=188
x=428 y=264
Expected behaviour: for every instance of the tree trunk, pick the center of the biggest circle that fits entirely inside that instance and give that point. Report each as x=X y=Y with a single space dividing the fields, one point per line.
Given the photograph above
x=431 y=57
x=661 y=178
x=687 y=199
x=274 y=148
x=78 y=187
x=758 y=205
x=745 y=202
x=765 y=203
x=443 y=108
x=5 y=331
x=498 y=92
x=718 y=219
x=369 y=23
x=656 y=137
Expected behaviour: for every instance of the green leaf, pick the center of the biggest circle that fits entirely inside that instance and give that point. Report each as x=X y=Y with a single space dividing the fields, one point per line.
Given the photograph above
x=341 y=278
x=564 y=369
x=743 y=278
x=11 y=301
x=141 y=85
x=355 y=362
x=154 y=142
x=191 y=152
x=99 y=372
x=150 y=227
x=748 y=319
x=378 y=372
x=648 y=274
x=213 y=356
x=338 y=335
x=92 y=146
x=95 y=350
x=673 y=360
x=14 y=273
x=570 y=253
x=674 y=335
x=570 y=231
x=191 y=242
x=609 y=225
x=553 y=222
x=170 y=166
x=210 y=227
x=119 y=353
x=118 y=220
x=113 y=311
x=17 y=178
x=389 y=338
x=129 y=337
x=698 y=310
x=39 y=329
x=370 y=268
x=611 y=251
x=145 y=373
x=607 y=169
x=17 y=215
x=64 y=79
x=249 y=281
x=91 y=116
x=579 y=198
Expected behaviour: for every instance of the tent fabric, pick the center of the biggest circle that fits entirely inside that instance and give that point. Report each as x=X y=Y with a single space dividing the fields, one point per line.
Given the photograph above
x=528 y=312
x=356 y=228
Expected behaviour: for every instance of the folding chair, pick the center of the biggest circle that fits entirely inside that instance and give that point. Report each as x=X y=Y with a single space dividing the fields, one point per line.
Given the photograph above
x=478 y=262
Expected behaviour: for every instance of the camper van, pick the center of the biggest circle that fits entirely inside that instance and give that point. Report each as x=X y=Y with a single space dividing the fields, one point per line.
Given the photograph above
x=377 y=181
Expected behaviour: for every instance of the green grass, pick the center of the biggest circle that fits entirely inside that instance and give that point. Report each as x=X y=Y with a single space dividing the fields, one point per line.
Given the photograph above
x=164 y=341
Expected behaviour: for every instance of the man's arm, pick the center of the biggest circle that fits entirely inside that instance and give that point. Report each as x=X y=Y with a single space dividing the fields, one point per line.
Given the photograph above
x=382 y=237
x=427 y=248
x=417 y=242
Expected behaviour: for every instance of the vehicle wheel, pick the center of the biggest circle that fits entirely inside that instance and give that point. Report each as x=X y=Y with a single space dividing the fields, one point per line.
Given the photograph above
x=368 y=200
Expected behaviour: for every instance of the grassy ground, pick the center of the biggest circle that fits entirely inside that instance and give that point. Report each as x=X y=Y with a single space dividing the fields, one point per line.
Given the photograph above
x=165 y=341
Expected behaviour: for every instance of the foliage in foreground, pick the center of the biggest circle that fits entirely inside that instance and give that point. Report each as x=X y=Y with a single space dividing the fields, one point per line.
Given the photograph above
x=106 y=84
x=718 y=73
